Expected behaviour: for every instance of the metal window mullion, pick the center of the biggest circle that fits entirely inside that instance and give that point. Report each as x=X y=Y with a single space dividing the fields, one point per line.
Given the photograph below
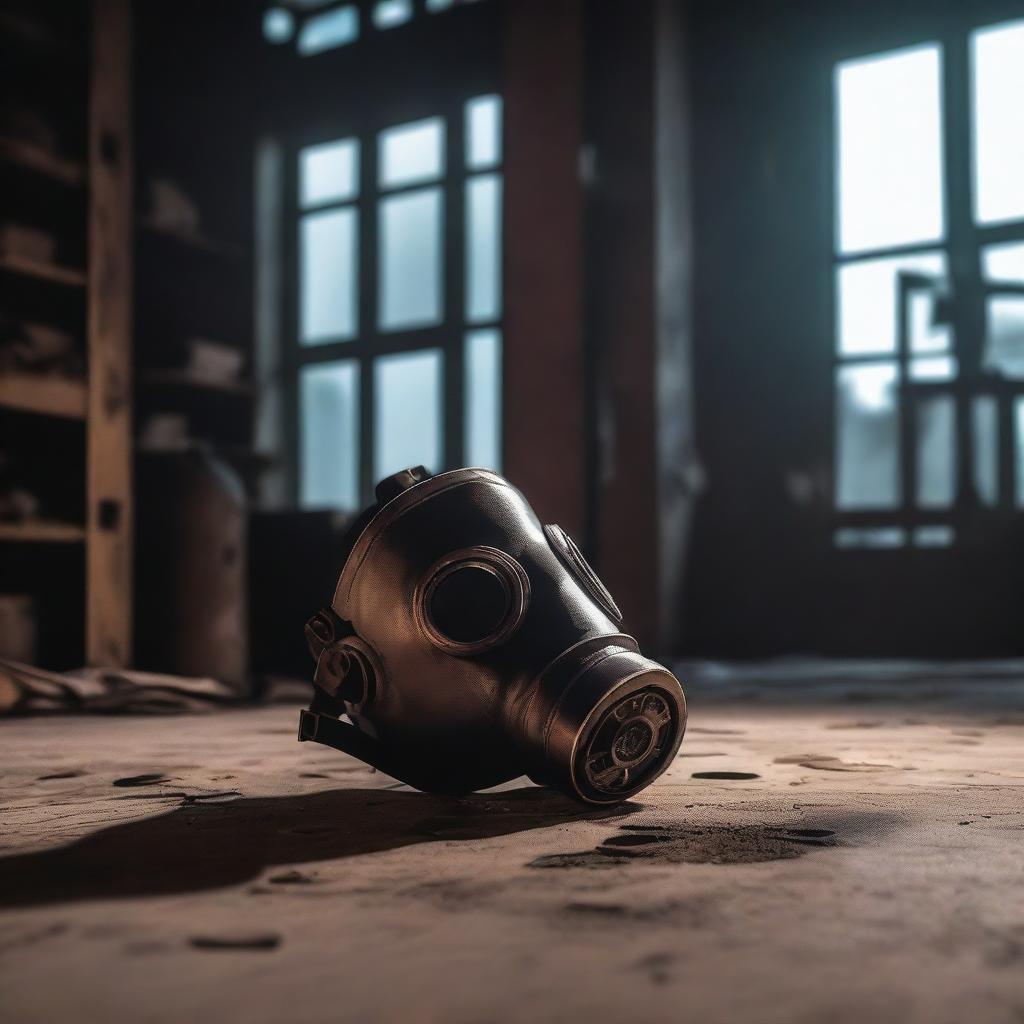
x=453 y=403
x=369 y=222
x=291 y=333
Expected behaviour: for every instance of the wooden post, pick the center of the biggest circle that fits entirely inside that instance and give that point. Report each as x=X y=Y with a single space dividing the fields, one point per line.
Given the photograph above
x=109 y=417
x=544 y=382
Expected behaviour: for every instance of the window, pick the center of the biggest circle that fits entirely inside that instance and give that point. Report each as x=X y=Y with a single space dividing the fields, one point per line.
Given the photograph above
x=920 y=404
x=397 y=336
x=321 y=25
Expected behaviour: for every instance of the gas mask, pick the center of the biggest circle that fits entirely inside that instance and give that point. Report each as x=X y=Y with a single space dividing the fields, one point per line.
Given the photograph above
x=468 y=645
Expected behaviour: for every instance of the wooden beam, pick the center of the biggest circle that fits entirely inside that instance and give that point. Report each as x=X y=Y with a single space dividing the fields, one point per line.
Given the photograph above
x=544 y=384
x=109 y=516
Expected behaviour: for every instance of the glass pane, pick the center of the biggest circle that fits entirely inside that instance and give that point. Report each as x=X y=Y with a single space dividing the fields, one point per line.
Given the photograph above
x=998 y=68
x=867 y=297
x=936 y=451
x=411 y=152
x=389 y=13
x=328 y=30
x=329 y=418
x=1004 y=334
x=929 y=368
x=278 y=25
x=328 y=276
x=889 y=150
x=870 y=537
x=407 y=418
x=483 y=399
x=329 y=172
x=937 y=536
x=867 y=440
x=985 y=438
x=483 y=132
x=410 y=261
x=483 y=248
x=1018 y=446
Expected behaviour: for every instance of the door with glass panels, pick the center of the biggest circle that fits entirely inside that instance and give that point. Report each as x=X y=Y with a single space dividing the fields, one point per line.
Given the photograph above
x=398 y=301
x=929 y=290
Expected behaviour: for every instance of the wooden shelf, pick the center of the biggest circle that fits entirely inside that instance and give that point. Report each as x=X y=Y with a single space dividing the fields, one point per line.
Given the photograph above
x=42 y=531
x=48 y=396
x=237 y=454
x=172 y=378
x=25 y=154
x=68 y=276
x=189 y=240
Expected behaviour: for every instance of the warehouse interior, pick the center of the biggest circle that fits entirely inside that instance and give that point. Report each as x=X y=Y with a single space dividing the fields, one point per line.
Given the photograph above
x=731 y=290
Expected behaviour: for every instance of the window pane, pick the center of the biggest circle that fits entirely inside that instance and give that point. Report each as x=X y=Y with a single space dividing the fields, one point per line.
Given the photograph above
x=389 y=13
x=329 y=172
x=929 y=368
x=407 y=412
x=278 y=25
x=985 y=438
x=329 y=417
x=410 y=262
x=483 y=132
x=328 y=30
x=867 y=297
x=483 y=399
x=411 y=152
x=1004 y=334
x=937 y=536
x=328 y=269
x=867 y=439
x=483 y=248
x=936 y=451
x=889 y=150
x=998 y=69
x=870 y=537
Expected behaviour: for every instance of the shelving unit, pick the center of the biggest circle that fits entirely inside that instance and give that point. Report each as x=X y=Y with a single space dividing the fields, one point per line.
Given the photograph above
x=75 y=60
x=42 y=531
x=45 y=396
x=32 y=158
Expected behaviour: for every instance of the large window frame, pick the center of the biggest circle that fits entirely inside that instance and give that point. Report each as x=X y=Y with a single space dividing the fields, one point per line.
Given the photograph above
x=450 y=336
x=958 y=301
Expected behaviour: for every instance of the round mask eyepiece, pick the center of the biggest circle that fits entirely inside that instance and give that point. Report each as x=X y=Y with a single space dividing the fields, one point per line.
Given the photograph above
x=472 y=600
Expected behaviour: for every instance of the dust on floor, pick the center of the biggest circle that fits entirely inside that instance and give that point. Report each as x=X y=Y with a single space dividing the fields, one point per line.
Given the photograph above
x=858 y=857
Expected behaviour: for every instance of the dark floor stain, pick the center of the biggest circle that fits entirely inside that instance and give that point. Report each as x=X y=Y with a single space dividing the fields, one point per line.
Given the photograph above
x=256 y=941
x=313 y=775
x=292 y=878
x=61 y=775
x=151 y=779
x=639 y=839
x=671 y=843
x=586 y=859
x=164 y=794
x=221 y=796
x=725 y=775
x=835 y=764
x=830 y=763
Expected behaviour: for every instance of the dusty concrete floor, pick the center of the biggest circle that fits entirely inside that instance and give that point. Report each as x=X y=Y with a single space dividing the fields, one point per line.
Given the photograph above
x=866 y=862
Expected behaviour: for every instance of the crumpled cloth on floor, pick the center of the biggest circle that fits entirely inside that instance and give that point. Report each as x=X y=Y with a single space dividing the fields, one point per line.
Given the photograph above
x=28 y=690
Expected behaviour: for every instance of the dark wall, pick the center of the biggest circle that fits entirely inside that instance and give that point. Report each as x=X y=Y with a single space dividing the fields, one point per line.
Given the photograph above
x=765 y=577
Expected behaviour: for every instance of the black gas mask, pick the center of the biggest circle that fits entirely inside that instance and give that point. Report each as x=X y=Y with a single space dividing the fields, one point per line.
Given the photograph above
x=468 y=645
